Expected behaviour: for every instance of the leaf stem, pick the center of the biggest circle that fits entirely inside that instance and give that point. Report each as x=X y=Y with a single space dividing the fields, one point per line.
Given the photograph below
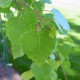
x=37 y=23
x=61 y=66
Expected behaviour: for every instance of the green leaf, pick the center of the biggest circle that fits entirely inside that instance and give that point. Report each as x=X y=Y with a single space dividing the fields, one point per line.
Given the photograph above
x=16 y=26
x=64 y=46
x=52 y=33
x=41 y=73
x=66 y=64
x=37 y=45
x=54 y=65
x=5 y=3
x=27 y=75
x=38 y=6
x=64 y=49
x=5 y=10
x=29 y=1
x=48 y=16
x=26 y=39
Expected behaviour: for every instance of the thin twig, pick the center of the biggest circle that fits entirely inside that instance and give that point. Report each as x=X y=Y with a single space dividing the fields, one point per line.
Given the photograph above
x=20 y=2
x=43 y=10
x=17 y=5
x=61 y=66
x=23 y=10
x=5 y=40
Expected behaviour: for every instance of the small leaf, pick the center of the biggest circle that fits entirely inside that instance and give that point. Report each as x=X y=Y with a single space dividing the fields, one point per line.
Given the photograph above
x=53 y=64
x=5 y=3
x=52 y=34
x=27 y=75
x=66 y=64
x=64 y=46
x=64 y=49
x=61 y=21
x=41 y=73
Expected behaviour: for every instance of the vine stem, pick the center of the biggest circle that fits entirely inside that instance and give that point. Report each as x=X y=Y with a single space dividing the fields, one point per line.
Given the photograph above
x=17 y=5
x=61 y=66
x=5 y=40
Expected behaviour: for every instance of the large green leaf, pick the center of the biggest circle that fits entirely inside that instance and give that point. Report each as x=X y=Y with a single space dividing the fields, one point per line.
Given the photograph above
x=37 y=45
x=26 y=39
x=5 y=3
x=41 y=73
